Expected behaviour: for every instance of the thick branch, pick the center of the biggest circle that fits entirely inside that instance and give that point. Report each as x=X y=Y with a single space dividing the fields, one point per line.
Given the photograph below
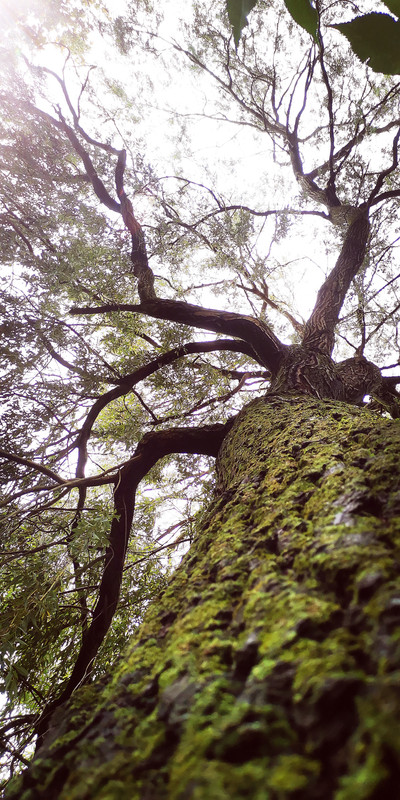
x=319 y=333
x=128 y=381
x=307 y=183
x=389 y=195
x=205 y=440
x=267 y=348
x=141 y=269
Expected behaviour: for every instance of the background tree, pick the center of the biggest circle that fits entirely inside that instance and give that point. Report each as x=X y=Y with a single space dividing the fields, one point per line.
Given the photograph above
x=243 y=658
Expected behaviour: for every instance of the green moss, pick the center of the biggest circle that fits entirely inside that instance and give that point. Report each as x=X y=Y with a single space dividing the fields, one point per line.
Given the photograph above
x=292 y=772
x=362 y=784
x=217 y=780
x=273 y=657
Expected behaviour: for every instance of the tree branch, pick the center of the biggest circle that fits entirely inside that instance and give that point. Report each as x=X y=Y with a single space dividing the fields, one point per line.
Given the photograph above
x=108 y=148
x=61 y=124
x=264 y=296
x=319 y=332
x=131 y=380
x=141 y=269
x=391 y=194
x=384 y=174
x=33 y=465
x=267 y=348
x=153 y=446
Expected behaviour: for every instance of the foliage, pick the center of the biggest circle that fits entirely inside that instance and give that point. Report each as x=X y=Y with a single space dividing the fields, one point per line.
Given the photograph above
x=237 y=13
x=304 y=14
x=374 y=37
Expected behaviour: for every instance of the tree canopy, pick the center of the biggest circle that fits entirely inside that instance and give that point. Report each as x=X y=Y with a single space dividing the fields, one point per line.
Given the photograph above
x=157 y=183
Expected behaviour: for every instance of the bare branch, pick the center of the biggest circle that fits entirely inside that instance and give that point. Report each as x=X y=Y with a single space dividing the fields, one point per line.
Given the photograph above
x=265 y=124
x=33 y=465
x=264 y=295
x=331 y=190
x=75 y=116
x=252 y=211
x=64 y=363
x=382 y=322
x=384 y=174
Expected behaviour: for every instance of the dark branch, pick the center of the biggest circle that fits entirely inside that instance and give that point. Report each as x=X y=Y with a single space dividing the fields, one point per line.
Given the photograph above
x=32 y=465
x=141 y=269
x=131 y=380
x=206 y=441
x=391 y=194
x=330 y=189
x=319 y=333
x=267 y=348
x=61 y=124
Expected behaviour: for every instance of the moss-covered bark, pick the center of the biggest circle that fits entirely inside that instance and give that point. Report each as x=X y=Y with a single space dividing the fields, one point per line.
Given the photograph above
x=270 y=667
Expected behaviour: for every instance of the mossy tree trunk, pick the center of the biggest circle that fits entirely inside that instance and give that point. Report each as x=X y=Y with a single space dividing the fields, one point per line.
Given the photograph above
x=269 y=668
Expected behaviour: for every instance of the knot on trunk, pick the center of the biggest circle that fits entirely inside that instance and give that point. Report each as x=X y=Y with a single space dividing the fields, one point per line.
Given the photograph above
x=306 y=371
x=358 y=377
x=343 y=215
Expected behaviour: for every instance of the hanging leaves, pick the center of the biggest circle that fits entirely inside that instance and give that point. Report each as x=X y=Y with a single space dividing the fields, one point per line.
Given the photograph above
x=238 y=11
x=304 y=14
x=375 y=38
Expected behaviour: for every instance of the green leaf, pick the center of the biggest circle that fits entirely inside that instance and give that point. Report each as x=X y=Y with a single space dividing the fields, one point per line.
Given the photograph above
x=237 y=13
x=304 y=14
x=393 y=6
x=375 y=38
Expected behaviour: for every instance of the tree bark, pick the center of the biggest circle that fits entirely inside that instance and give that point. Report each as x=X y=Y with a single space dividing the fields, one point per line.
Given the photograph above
x=269 y=668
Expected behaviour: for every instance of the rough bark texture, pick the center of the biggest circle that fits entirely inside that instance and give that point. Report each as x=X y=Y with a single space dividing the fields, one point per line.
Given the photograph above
x=269 y=668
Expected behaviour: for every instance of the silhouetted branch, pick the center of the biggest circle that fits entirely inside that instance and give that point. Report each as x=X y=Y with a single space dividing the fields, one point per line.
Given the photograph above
x=206 y=441
x=319 y=332
x=267 y=348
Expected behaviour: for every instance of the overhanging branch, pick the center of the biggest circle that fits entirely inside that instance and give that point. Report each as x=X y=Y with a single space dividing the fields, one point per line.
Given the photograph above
x=140 y=374
x=203 y=441
x=266 y=347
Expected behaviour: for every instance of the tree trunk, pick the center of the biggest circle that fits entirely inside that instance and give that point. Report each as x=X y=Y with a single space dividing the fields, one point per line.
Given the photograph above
x=269 y=668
